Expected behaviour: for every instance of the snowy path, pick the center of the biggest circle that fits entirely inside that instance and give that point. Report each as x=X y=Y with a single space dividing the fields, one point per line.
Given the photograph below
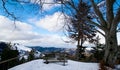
x=71 y=65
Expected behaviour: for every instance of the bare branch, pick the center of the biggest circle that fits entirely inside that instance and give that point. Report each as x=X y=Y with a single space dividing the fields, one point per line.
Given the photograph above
x=117 y=17
x=116 y=21
x=92 y=22
x=9 y=13
x=21 y=1
x=72 y=5
x=12 y=15
x=117 y=3
x=109 y=12
x=98 y=13
x=101 y=33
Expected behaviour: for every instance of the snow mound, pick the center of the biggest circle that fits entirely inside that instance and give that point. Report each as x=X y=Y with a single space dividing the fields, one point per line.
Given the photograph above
x=71 y=65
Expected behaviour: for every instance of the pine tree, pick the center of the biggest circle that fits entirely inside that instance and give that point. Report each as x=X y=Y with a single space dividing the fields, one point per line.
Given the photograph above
x=98 y=50
x=31 y=55
x=79 y=29
x=8 y=53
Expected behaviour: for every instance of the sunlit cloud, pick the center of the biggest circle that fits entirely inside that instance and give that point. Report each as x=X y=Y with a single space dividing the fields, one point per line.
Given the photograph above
x=52 y=23
x=23 y=33
x=46 y=4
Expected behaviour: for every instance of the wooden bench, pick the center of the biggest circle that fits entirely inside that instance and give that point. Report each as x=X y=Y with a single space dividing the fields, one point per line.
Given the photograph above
x=54 y=58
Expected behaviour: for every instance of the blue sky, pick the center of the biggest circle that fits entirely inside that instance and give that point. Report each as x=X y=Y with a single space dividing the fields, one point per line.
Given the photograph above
x=34 y=27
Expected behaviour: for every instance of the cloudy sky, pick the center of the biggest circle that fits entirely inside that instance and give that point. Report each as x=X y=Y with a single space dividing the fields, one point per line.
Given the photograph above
x=34 y=27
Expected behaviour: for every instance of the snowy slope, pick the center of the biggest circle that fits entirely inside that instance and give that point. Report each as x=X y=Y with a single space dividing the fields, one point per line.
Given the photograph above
x=23 y=50
x=21 y=47
x=71 y=65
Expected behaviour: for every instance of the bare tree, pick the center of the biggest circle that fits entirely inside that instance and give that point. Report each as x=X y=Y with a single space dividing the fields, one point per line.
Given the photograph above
x=109 y=26
x=107 y=22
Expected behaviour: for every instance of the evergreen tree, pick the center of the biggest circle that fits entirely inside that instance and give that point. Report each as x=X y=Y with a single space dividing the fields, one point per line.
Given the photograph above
x=8 y=53
x=79 y=29
x=98 y=50
x=23 y=60
x=31 y=55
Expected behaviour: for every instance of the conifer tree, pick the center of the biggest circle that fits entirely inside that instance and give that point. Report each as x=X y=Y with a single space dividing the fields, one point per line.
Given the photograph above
x=31 y=55
x=79 y=29
x=8 y=53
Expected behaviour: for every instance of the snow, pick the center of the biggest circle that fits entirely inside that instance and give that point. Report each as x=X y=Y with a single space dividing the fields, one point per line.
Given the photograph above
x=117 y=67
x=23 y=50
x=37 y=54
x=71 y=65
x=21 y=47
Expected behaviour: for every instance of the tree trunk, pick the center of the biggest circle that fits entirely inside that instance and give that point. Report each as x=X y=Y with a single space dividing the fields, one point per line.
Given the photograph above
x=77 y=55
x=111 y=48
x=79 y=49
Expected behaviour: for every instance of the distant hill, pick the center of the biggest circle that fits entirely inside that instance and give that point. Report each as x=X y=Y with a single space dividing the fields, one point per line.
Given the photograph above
x=70 y=51
x=15 y=46
x=20 y=47
x=23 y=50
x=47 y=49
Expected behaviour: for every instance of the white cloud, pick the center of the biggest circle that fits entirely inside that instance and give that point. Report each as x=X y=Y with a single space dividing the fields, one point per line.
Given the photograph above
x=7 y=24
x=46 y=4
x=102 y=39
x=24 y=34
x=18 y=31
x=49 y=6
x=50 y=41
x=52 y=23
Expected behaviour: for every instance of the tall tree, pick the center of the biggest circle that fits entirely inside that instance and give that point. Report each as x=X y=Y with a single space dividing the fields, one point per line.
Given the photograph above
x=108 y=23
x=109 y=26
x=79 y=29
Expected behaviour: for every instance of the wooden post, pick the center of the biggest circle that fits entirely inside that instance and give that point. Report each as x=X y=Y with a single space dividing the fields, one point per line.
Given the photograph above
x=64 y=59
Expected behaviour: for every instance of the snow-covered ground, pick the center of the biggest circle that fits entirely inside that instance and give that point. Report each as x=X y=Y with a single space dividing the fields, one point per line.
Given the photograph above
x=71 y=65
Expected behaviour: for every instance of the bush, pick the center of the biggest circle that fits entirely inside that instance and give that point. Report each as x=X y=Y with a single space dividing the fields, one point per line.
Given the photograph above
x=98 y=52
x=23 y=60
x=102 y=65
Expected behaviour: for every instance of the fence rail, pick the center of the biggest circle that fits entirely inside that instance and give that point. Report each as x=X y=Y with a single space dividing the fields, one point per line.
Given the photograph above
x=10 y=59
